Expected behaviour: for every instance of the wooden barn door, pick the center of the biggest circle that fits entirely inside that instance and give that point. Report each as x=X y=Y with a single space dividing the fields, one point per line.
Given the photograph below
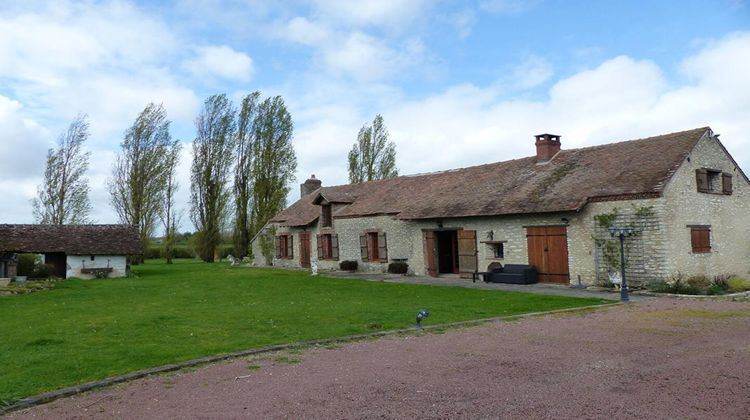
x=548 y=252
x=467 y=253
x=430 y=262
x=304 y=249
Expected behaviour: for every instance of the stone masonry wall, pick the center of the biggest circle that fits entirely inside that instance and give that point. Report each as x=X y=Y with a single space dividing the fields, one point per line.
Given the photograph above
x=728 y=216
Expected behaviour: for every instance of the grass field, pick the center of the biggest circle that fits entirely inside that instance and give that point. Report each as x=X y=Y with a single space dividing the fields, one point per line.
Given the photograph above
x=87 y=330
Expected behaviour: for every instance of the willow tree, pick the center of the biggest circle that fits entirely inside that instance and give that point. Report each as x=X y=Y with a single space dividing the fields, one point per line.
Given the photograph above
x=213 y=149
x=372 y=156
x=275 y=161
x=243 y=172
x=139 y=178
x=63 y=196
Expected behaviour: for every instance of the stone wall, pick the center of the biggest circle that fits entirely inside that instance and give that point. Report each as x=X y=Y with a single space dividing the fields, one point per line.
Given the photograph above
x=76 y=262
x=728 y=216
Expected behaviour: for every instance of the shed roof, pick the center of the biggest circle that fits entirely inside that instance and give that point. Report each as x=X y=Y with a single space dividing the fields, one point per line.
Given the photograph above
x=635 y=168
x=71 y=239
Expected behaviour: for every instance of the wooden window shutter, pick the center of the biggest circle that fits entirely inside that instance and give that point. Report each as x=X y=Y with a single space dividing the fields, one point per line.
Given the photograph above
x=363 y=248
x=700 y=238
x=277 y=239
x=726 y=184
x=382 y=247
x=290 y=246
x=701 y=179
x=320 y=247
x=335 y=246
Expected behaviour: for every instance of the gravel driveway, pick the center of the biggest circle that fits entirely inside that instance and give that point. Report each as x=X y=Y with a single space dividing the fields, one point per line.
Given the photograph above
x=658 y=358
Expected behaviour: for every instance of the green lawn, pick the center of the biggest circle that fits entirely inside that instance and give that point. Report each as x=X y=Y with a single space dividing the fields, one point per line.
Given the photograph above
x=87 y=330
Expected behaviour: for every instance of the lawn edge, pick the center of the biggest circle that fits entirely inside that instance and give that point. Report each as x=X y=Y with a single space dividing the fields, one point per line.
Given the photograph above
x=70 y=391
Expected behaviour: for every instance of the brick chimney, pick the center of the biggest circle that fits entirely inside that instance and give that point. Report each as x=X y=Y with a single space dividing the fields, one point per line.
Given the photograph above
x=309 y=186
x=547 y=146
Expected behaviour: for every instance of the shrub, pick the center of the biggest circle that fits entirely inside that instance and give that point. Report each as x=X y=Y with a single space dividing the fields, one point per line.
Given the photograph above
x=26 y=263
x=42 y=271
x=737 y=284
x=698 y=282
x=398 y=267
x=348 y=265
x=721 y=281
x=715 y=289
x=677 y=285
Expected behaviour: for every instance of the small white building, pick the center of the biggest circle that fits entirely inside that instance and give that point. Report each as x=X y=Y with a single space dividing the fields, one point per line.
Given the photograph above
x=83 y=251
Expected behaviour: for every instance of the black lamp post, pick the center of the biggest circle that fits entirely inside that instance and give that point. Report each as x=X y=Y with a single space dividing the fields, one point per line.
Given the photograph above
x=622 y=232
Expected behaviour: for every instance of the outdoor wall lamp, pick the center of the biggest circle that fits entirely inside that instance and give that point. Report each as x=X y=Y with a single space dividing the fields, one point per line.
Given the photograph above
x=622 y=232
x=422 y=314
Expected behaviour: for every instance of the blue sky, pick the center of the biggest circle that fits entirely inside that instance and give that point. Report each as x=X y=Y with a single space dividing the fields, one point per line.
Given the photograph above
x=458 y=83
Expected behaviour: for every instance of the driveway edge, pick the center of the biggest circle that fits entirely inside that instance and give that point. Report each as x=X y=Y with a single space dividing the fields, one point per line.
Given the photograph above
x=47 y=397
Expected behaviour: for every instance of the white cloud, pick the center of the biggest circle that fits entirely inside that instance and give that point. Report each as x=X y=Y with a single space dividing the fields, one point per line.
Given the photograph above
x=24 y=142
x=508 y=7
x=223 y=62
x=304 y=31
x=533 y=71
x=388 y=13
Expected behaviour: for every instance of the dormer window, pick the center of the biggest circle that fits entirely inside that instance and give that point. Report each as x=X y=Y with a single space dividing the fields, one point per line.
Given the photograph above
x=326 y=217
x=713 y=182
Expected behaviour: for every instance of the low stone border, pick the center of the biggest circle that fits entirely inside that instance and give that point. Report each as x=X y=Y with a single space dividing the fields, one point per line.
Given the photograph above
x=89 y=386
x=730 y=296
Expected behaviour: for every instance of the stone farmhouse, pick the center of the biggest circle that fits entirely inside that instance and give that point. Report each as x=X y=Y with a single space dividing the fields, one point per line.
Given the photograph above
x=684 y=194
x=73 y=250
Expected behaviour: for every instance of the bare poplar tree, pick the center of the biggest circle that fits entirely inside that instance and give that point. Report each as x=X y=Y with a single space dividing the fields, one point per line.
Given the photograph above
x=213 y=149
x=243 y=173
x=63 y=197
x=139 y=178
x=274 y=160
x=373 y=156
x=169 y=216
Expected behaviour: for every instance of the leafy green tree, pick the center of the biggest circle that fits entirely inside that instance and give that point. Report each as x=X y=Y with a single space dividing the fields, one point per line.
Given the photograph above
x=243 y=172
x=373 y=156
x=213 y=155
x=63 y=196
x=169 y=216
x=275 y=161
x=139 y=181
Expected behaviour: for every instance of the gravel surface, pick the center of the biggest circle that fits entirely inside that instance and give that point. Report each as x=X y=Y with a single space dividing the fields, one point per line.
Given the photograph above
x=658 y=358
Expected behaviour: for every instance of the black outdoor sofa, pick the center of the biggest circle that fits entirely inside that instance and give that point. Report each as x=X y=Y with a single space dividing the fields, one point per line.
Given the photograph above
x=510 y=274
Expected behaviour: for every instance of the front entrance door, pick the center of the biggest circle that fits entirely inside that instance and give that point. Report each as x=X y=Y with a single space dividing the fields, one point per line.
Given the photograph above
x=430 y=253
x=467 y=253
x=304 y=249
x=548 y=252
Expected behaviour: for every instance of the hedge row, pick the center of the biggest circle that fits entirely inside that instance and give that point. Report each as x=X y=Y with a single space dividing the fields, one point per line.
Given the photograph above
x=183 y=251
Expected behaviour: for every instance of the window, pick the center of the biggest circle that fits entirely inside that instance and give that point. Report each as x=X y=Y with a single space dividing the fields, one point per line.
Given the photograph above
x=498 y=250
x=328 y=246
x=373 y=247
x=700 y=239
x=285 y=246
x=713 y=181
x=325 y=217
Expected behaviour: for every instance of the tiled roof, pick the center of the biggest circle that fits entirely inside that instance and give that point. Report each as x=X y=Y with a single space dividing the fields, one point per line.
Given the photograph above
x=71 y=239
x=635 y=168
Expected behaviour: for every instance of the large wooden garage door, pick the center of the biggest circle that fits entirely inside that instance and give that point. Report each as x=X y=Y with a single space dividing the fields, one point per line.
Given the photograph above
x=548 y=252
x=467 y=253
